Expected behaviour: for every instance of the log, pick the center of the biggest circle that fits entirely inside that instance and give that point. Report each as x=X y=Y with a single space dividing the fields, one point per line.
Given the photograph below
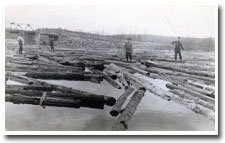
x=190 y=104
x=111 y=74
x=92 y=101
x=120 y=101
x=66 y=76
x=151 y=88
x=117 y=70
x=96 y=66
x=184 y=95
x=122 y=122
x=192 y=72
x=108 y=78
x=30 y=87
x=162 y=71
x=122 y=80
x=202 y=91
x=38 y=69
x=111 y=81
x=191 y=92
x=57 y=102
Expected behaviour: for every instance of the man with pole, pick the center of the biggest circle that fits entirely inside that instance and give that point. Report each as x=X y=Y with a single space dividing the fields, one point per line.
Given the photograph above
x=177 y=49
x=178 y=45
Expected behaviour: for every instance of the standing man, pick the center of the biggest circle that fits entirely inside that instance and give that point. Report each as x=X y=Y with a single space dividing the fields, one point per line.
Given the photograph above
x=128 y=49
x=177 y=49
x=20 y=42
x=52 y=45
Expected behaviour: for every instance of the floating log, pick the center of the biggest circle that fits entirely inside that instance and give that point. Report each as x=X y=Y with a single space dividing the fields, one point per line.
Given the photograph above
x=88 y=100
x=192 y=72
x=151 y=88
x=108 y=79
x=178 y=74
x=30 y=87
x=122 y=122
x=190 y=104
x=31 y=57
x=184 y=95
x=111 y=81
x=111 y=74
x=202 y=91
x=120 y=101
x=117 y=70
x=38 y=69
x=193 y=93
x=96 y=66
x=57 y=102
x=107 y=100
x=66 y=76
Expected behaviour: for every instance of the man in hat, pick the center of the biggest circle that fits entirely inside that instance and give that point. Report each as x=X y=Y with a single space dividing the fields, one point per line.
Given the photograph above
x=128 y=49
x=177 y=49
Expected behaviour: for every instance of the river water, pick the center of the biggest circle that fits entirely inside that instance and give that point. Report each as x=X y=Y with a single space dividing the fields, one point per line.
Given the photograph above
x=152 y=114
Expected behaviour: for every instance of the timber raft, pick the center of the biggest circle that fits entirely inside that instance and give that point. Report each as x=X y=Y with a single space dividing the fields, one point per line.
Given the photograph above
x=191 y=84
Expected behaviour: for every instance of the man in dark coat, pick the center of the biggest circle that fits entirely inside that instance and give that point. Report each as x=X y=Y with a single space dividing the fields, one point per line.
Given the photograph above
x=20 y=42
x=128 y=49
x=52 y=45
x=20 y=46
x=177 y=49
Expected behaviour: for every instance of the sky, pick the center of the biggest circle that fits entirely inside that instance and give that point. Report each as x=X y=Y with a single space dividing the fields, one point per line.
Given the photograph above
x=114 y=17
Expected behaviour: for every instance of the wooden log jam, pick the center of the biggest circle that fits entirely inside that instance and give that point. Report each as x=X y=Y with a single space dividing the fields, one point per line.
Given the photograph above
x=171 y=96
x=66 y=76
x=199 y=73
x=191 y=92
x=107 y=99
x=120 y=101
x=122 y=122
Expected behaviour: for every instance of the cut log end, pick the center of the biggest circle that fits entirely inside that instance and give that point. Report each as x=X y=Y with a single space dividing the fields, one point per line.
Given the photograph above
x=114 y=113
x=110 y=101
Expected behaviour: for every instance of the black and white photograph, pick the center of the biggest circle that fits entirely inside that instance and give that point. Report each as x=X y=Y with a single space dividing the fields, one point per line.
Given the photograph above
x=119 y=67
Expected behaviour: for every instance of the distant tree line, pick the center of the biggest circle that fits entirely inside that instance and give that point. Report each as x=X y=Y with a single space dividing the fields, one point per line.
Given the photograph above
x=205 y=44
